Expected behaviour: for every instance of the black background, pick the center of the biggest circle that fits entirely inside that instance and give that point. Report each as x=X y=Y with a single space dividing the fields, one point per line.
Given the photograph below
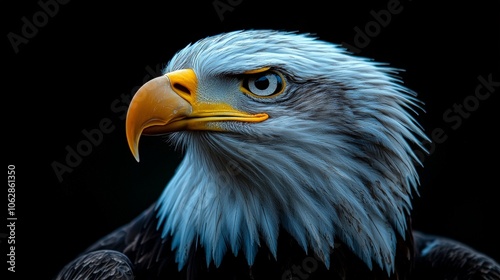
x=77 y=66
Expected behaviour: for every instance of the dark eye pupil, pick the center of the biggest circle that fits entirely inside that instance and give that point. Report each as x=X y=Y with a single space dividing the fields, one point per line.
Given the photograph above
x=262 y=83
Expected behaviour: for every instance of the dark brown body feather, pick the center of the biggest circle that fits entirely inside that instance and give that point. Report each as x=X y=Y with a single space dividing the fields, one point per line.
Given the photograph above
x=138 y=247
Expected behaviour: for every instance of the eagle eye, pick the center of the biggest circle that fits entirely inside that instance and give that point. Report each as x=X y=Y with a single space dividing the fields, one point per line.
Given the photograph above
x=264 y=84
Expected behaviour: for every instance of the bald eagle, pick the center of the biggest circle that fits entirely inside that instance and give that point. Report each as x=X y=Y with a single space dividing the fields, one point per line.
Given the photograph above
x=299 y=163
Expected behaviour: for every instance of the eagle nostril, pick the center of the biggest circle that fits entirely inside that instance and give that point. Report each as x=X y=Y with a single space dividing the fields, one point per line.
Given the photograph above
x=181 y=88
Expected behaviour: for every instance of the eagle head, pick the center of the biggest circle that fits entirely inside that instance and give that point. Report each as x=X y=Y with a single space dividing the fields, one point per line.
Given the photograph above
x=281 y=130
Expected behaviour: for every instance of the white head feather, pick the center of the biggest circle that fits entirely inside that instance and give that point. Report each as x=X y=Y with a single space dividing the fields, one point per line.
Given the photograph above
x=334 y=161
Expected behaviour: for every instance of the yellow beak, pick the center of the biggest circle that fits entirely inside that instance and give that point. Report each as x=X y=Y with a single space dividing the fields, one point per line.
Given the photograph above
x=169 y=103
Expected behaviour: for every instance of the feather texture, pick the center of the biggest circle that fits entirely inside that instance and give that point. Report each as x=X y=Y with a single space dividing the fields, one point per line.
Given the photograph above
x=334 y=160
x=326 y=182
